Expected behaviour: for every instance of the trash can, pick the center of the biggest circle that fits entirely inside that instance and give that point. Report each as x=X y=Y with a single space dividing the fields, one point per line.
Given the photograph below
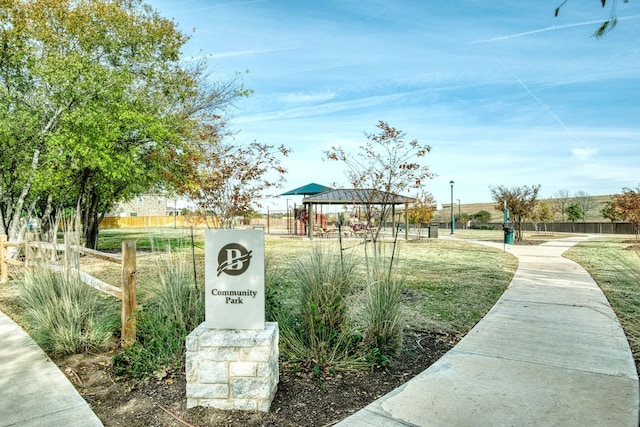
x=508 y=235
x=433 y=231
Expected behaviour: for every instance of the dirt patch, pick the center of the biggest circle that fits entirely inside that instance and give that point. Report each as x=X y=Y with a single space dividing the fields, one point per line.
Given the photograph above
x=300 y=400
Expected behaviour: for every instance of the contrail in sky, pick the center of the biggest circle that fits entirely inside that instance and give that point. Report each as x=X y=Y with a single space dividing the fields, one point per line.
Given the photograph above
x=551 y=28
x=554 y=115
x=236 y=53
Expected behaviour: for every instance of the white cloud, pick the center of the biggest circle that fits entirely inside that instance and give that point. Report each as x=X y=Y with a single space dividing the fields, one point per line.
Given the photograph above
x=584 y=153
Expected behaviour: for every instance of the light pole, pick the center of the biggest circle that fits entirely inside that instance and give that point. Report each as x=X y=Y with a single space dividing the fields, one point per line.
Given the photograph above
x=288 y=216
x=453 y=220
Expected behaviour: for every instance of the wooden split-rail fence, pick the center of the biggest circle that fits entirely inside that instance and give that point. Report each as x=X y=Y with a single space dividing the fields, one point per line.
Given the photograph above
x=126 y=293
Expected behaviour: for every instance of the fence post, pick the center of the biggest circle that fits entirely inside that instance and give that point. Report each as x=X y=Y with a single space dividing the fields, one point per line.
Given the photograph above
x=128 y=292
x=4 y=271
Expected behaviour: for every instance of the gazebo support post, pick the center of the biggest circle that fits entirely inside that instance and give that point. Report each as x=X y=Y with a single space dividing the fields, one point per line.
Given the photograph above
x=310 y=224
x=406 y=221
x=393 y=221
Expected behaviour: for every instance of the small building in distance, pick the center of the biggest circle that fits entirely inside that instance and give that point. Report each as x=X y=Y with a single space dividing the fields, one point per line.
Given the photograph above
x=144 y=205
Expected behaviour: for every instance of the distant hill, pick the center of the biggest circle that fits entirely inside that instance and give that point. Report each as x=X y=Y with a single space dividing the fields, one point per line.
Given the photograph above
x=496 y=215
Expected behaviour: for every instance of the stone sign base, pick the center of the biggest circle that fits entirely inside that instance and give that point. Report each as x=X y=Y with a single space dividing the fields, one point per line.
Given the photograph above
x=232 y=369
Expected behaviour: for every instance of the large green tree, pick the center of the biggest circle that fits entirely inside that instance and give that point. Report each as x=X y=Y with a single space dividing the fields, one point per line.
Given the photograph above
x=97 y=107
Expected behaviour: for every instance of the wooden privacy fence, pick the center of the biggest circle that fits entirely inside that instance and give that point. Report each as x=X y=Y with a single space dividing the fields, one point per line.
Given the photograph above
x=181 y=221
x=127 y=293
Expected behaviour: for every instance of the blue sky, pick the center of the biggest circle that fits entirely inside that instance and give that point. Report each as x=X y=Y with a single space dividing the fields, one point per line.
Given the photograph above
x=504 y=92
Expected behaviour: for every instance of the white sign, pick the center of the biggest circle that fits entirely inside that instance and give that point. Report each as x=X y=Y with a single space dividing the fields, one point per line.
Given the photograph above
x=234 y=279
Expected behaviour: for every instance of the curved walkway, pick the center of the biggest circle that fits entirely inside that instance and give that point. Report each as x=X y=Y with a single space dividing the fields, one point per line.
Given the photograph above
x=33 y=391
x=551 y=352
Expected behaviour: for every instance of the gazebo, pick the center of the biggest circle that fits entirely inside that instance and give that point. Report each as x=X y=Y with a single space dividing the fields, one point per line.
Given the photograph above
x=305 y=190
x=356 y=196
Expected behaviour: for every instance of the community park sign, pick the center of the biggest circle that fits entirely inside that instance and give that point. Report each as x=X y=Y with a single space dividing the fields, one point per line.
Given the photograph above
x=234 y=279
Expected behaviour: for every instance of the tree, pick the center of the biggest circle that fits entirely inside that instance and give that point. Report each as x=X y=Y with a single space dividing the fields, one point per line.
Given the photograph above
x=97 y=107
x=586 y=202
x=463 y=219
x=628 y=203
x=542 y=214
x=482 y=217
x=387 y=165
x=607 y=25
x=611 y=211
x=227 y=178
x=574 y=213
x=422 y=211
x=561 y=199
x=521 y=202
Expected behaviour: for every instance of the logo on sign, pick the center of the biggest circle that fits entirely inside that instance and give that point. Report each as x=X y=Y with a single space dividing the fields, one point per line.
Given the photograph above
x=233 y=259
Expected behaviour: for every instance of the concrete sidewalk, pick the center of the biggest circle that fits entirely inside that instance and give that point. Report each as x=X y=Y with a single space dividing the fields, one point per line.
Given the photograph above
x=33 y=391
x=551 y=352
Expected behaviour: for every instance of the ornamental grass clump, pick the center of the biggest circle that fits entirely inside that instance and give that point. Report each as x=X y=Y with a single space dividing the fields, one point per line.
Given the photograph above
x=316 y=332
x=175 y=295
x=383 y=317
x=172 y=307
x=66 y=316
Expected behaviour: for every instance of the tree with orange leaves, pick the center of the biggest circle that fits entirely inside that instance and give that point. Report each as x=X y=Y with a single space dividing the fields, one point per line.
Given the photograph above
x=628 y=204
x=227 y=179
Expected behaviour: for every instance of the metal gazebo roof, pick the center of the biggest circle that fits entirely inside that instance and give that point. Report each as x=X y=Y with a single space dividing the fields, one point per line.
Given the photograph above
x=308 y=189
x=357 y=196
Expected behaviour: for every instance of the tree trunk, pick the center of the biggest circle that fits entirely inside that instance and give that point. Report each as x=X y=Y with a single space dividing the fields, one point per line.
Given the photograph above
x=91 y=221
x=47 y=222
x=15 y=230
x=91 y=234
x=518 y=229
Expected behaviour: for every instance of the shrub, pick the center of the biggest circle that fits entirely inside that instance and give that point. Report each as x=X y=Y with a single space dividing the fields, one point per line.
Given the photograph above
x=65 y=315
x=159 y=347
x=481 y=226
